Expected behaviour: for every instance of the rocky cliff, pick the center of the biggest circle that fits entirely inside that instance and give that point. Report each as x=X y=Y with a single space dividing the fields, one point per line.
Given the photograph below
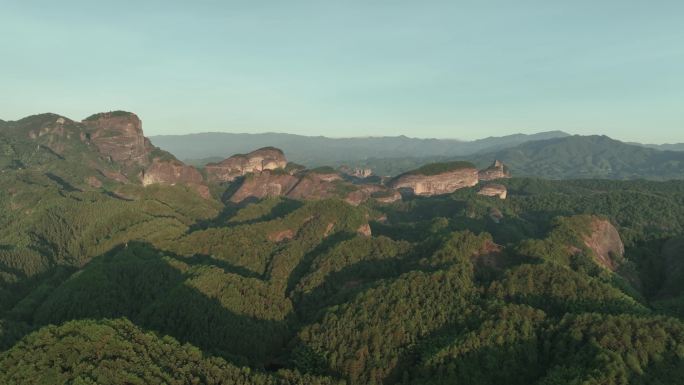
x=604 y=240
x=264 y=184
x=102 y=151
x=119 y=136
x=267 y=158
x=437 y=178
x=308 y=185
x=497 y=170
x=173 y=172
x=494 y=190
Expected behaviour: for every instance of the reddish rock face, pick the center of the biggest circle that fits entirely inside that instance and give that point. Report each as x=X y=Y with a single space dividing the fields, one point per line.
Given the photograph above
x=280 y=236
x=364 y=230
x=443 y=183
x=315 y=186
x=264 y=184
x=358 y=172
x=378 y=192
x=309 y=186
x=494 y=190
x=498 y=170
x=94 y=182
x=387 y=197
x=119 y=135
x=606 y=244
x=267 y=158
x=172 y=172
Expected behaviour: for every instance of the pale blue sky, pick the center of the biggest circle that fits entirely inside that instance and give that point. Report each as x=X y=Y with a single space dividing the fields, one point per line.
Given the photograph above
x=457 y=69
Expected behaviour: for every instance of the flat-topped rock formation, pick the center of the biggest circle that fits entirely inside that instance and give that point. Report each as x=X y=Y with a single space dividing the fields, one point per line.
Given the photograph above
x=437 y=178
x=497 y=170
x=103 y=150
x=264 y=184
x=267 y=158
x=313 y=184
x=357 y=172
x=494 y=190
x=317 y=184
x=119 y=136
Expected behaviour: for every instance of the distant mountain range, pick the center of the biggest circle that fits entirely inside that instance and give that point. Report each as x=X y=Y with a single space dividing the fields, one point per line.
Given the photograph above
x=315 y=151
x=588 y=157
x=553 y=154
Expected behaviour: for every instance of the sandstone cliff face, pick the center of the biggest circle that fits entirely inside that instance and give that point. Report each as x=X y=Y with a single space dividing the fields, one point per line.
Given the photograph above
x=357 y=172
x=173 y=172
x=264 y=184
x=387 y=196
x=494 y=190
x=267 y=158
x=119 y=136
x=497 y=170
x=314 y=185
x=604 y=240
x=307 y=186
x=442 y=183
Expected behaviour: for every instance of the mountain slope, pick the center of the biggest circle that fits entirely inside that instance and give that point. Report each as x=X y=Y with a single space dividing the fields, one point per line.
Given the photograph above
x=319 y=151
x=588 y=157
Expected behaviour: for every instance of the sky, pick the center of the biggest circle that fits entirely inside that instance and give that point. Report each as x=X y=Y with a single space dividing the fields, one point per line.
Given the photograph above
x=445 y=69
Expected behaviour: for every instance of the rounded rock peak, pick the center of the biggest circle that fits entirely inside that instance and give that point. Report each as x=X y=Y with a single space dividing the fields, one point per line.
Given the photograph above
x=119 y=115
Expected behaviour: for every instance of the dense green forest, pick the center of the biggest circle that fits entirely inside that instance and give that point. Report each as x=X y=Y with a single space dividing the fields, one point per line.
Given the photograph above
x=165 y=287
x=157 y=285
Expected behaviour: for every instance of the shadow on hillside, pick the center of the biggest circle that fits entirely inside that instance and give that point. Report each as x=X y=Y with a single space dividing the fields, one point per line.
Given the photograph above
x=304 y=264
x=515 y=363
x=341 y=286
x=151 y=288
x=203 y=259
x=223 y=219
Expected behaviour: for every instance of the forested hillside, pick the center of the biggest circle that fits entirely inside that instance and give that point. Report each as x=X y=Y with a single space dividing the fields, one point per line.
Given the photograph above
x=163 y=286
x=561 y=282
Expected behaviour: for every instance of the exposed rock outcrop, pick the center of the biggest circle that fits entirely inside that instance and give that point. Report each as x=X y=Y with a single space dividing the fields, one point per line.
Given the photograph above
x=173 y=172
x=364 y=230
x=282 y=235
x=438 y=178
x=317 y=185
x=362 y=193
x=497 y=170
x=264 y=184
x=267 y=158
x=357 y=172
x=386 y=196
x=119 y=136
x=494 y=190
x=604 y=240
x=310 y=185
x=496 y=215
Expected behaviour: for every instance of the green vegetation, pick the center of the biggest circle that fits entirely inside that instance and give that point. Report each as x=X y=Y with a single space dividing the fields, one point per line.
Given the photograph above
x=145 y=285
x=323 y=170
x=439 y=168
x=117 y=113
x=588 y=157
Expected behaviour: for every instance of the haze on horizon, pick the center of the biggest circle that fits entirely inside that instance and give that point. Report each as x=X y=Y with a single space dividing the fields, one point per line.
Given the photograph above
x=446 y=69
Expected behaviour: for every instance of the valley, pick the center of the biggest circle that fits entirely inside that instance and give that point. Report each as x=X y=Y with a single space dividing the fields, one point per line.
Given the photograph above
x=126 y=265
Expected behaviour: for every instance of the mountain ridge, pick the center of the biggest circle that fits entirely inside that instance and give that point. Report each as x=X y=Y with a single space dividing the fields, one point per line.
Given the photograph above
x=321 y=150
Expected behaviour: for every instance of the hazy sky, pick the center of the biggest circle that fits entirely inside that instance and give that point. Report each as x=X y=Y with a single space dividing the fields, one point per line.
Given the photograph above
x=458 y=69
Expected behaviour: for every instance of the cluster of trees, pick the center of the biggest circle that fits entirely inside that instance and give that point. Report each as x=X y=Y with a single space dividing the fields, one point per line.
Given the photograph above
x=157 y=285
x=117 y=352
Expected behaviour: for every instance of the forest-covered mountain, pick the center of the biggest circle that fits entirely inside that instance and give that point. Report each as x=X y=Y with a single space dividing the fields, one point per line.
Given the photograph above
x=575 y=157
x=157 y=281
x=314 y=151
x=554 y=154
